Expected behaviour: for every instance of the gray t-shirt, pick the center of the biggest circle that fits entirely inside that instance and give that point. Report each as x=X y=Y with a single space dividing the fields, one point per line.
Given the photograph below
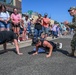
x=25 y=22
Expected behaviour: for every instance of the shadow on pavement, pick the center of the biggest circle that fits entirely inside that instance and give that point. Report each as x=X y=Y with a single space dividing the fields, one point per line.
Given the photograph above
x=5 y=51
x=64 y=52
x=59 y=50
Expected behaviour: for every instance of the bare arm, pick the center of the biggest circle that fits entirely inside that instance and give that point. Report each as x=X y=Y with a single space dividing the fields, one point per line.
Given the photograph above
x=47 y=44
x=50 y=51
x=37 y=46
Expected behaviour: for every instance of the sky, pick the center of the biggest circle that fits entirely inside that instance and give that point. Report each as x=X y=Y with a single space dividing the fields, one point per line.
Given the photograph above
x=56 y=9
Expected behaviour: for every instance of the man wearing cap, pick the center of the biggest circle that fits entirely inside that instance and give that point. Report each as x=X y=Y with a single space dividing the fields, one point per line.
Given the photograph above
x=72 y=12
x=26 y=22
x=46 y=22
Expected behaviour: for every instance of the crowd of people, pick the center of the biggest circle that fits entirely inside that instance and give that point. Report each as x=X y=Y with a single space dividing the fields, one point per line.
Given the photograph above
x=25 y=26
x=28 y=26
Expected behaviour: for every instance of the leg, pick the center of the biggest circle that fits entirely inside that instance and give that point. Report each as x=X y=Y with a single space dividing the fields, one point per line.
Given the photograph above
x=2 y=26
x=36 y=33
x=18 y=32
x=4 y=46
x=46 y=31
x=17 y=47
x=73 y=45
x=40 y=31
x=8 y=26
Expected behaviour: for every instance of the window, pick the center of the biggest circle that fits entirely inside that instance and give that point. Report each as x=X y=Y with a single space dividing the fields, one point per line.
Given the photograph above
x=7 y=1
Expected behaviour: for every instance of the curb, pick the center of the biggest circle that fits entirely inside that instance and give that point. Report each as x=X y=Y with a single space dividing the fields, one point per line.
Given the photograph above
x=21 y=44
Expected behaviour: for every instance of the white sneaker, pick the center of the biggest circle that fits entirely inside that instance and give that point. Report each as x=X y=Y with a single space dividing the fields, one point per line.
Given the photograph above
x=60 y=45
x=18 y=40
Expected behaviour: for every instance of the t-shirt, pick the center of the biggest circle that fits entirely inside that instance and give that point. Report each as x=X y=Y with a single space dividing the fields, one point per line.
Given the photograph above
x=6 y=36
x=54 y=27
x=45 y=22
x=16 y=17
x=4 y=15
x=38 y=24
x=26 y=22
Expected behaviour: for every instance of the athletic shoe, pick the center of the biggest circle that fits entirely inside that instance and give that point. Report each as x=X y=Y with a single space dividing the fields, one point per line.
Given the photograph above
x=18 y=40
x=59 y=45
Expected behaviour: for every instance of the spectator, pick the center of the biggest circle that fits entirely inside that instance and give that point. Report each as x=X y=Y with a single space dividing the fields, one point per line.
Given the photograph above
x=16 y=19
x=26 y=21
x=4 y=19
x=38 y=26
x=54 y=31
x=22 y=30
x=64 y=32
x=32 y=26
x=46 y=22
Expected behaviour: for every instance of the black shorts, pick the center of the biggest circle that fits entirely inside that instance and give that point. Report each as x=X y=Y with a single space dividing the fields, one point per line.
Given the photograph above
x=2 y=42
x=53 y=44
x=13 y=25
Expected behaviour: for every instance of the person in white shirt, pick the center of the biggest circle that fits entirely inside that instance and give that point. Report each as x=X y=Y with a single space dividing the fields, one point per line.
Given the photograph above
x=4 y=19
x=26 y=21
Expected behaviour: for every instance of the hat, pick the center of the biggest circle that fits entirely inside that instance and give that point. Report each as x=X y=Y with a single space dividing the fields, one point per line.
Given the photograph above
x=55 y=22
x=45 y=14
x=26 y=14
x=72 y=8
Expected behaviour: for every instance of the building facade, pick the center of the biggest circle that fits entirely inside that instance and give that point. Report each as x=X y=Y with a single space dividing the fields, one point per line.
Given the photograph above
x=10 y=4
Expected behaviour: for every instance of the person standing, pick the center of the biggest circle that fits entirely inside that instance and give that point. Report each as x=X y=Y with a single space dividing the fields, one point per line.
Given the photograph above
x=16 y=19
x=72 y=12
x=4 y=19
x=26 y=21
x=38 y=26
x=46 y=22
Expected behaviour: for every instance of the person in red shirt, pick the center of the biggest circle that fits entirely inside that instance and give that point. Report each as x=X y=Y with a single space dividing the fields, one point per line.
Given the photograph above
x=46 y=22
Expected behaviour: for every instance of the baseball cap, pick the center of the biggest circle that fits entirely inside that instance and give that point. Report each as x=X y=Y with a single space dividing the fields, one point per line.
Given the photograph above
x=45 y=14
x=72 y=8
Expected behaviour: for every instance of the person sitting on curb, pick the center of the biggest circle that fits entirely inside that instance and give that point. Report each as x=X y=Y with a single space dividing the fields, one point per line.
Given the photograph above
x=7 y=36
x=47 y=45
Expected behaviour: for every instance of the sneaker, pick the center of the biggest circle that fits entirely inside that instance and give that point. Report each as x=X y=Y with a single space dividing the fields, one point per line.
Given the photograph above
x=18 y=40
x=59 y=45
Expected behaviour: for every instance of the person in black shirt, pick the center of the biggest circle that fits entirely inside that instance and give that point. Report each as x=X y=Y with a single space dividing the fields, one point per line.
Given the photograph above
x=38 y=26
x=47 y=45
x=6 y=36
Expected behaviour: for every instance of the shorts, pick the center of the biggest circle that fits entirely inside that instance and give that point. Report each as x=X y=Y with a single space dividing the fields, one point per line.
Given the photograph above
x=13 y=25
x=4 y=25
x=2 y=42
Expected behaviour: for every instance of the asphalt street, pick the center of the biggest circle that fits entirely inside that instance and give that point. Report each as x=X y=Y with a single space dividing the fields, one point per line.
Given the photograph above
x=58 y=64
